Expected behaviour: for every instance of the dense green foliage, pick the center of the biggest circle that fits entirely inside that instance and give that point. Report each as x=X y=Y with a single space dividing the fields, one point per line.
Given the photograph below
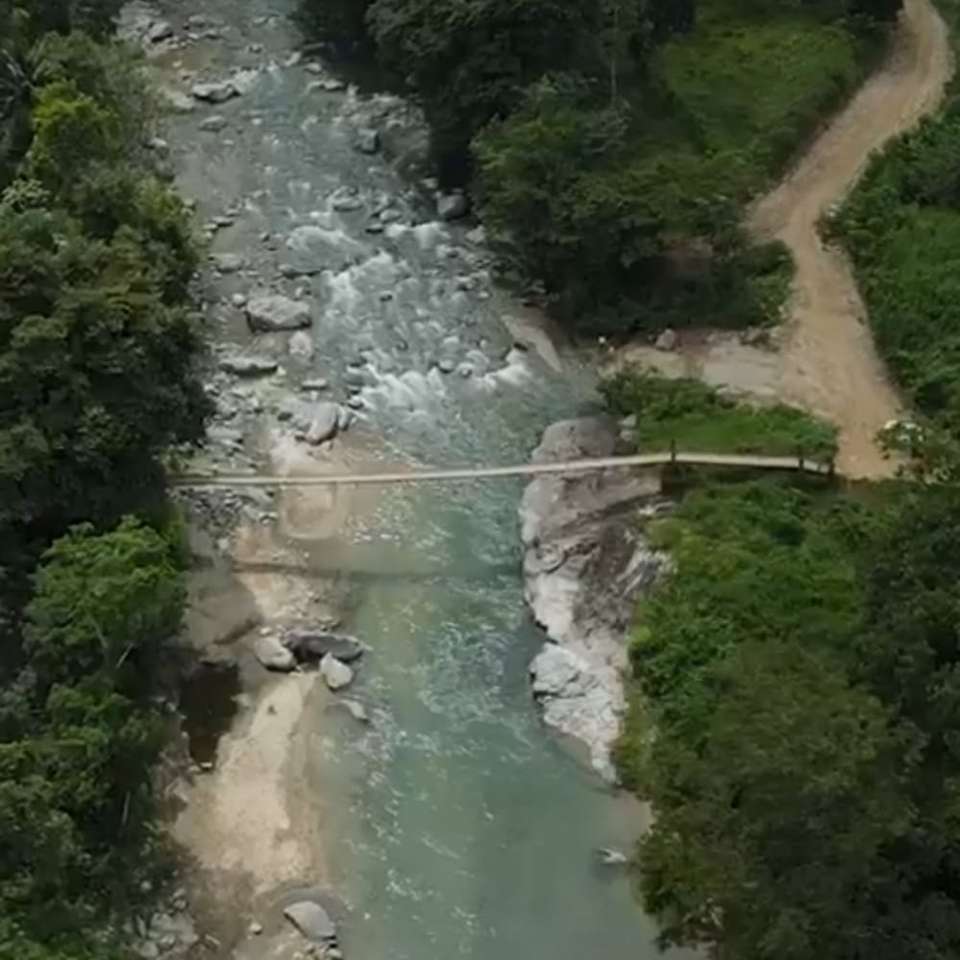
x=698 y=418
x=612 y=145
x=799 y=669
x=902 y=228
x=96 y=352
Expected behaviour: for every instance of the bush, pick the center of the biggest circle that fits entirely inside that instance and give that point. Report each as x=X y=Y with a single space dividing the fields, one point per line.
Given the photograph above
x=698 y=419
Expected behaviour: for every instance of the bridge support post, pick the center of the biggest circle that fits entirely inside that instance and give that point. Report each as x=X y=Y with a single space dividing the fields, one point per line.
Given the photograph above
x=800 y=460
x=673 y=450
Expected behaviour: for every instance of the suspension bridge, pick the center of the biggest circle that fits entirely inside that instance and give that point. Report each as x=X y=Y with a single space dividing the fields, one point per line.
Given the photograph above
x=797 y=464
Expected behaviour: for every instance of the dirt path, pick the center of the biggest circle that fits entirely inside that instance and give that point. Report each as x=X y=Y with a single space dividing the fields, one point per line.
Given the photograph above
x=830 y=364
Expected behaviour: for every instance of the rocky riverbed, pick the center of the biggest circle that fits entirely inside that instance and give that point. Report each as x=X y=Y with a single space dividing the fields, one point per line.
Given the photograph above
x=355 y=324
x=586 y=563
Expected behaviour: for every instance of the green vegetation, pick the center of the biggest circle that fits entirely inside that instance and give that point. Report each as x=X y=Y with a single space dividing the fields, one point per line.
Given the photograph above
x=613 y=145
x=698 y=418
x=96 y=352
x=799 y=670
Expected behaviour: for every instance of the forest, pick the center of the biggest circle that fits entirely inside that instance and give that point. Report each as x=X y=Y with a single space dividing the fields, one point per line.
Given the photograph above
x=97 y=352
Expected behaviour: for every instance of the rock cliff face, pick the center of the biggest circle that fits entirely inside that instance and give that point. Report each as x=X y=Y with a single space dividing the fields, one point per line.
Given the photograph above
x=585 y=565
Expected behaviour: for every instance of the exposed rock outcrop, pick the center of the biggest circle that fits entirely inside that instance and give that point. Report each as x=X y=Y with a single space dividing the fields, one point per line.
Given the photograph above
x=586 y=562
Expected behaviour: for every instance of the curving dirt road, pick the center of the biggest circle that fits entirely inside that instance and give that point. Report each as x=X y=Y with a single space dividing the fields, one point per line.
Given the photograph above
x=830 y=364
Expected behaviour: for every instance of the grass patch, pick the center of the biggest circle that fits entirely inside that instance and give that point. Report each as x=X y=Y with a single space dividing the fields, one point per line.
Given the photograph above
x=699 y=419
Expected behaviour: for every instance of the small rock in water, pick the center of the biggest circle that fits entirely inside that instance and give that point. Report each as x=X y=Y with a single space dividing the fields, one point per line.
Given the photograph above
x=446 y=365
x=318 y=384
x=273 y=655
x=337 y=675
x=248 y=366
x=239 y=300
x=255 y=929
x=356 y=709
x=611 y=858
x=332 y=85
x=312 y=921
x=216 y=92
x=368 y=141
x=313 y=67
x=213 y=124
x=356 y=402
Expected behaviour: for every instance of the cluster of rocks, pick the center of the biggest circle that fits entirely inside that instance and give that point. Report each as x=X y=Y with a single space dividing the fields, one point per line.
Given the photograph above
x=331 y=653
x=586 y=562
x=169 y=932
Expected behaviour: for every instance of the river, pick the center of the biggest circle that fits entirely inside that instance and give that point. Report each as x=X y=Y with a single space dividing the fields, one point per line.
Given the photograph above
x=455 y=824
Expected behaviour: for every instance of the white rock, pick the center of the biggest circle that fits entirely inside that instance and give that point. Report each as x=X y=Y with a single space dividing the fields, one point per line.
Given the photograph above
x=452 y=206
x=667 y=340
x=273 y=654
x=336 y=675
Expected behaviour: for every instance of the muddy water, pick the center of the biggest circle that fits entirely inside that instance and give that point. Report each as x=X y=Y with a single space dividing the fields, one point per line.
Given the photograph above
x=456 y=826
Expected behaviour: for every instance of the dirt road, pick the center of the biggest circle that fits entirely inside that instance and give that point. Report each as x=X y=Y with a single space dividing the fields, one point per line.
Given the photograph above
x=830 y=364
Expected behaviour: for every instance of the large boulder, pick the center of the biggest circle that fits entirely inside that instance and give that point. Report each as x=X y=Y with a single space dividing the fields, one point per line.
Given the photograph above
x=271 y=312
x=323 y=426
x=248 y=366
x=312 y=921
x=273 y=654
x=309 y=645
x=336 y=675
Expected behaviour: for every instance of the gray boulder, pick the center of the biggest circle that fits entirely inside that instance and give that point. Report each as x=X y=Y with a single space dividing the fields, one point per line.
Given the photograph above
x=336 y=675
x=214 y=92
x=312 y=921
x=227 y=262
x=452 y=206
x=273 y=654
x=271 y=312
x=316 y=644
x=248 y=366
x=324 y=423
x=317 y=383
x=301 y=345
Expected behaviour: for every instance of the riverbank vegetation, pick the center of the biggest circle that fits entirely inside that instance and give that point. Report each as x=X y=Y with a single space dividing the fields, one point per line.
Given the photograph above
x=697 y=417
x=96 y=351
x=612 y=146
x=798 y=667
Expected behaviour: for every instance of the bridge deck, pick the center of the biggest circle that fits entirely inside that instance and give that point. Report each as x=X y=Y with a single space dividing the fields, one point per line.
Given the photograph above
x=797 y=463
